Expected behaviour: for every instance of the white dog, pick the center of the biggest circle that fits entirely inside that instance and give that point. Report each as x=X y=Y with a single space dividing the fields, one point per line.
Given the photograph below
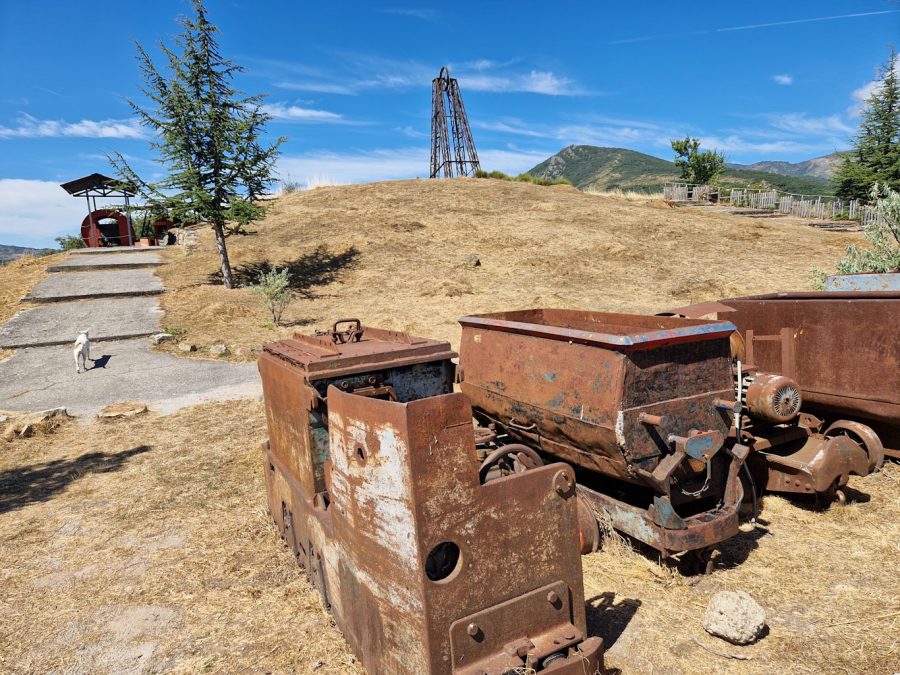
x=82 y=351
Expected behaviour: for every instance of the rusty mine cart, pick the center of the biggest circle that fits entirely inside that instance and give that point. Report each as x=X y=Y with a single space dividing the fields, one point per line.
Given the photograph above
x=634 y=403
x=838 y=355
x=373 y=480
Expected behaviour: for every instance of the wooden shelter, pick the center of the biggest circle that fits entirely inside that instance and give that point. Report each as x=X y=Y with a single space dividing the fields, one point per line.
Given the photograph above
x=103 y=227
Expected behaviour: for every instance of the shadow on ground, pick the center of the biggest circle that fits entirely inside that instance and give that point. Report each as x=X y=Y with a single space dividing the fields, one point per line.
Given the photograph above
x=26 y=485
x=319 y=268
x=608 y=619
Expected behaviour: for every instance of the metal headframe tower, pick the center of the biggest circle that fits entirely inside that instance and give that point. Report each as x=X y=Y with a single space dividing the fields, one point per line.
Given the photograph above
x=452 y=148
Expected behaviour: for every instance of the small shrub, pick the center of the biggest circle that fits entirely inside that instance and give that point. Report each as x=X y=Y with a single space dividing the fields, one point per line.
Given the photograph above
x=521 y=178
x=69 y=242
x=290 y=186
x=274 y=289
x=176 y=331
x=883 y=236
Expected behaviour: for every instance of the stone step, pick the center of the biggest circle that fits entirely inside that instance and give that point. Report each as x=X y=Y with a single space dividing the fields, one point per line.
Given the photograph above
x=60 y=287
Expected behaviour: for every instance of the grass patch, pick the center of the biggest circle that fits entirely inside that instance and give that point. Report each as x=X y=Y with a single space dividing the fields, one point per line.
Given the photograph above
x=521 y=178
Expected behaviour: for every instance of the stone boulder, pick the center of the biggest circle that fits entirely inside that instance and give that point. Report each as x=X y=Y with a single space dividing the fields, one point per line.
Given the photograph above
x=734 y=616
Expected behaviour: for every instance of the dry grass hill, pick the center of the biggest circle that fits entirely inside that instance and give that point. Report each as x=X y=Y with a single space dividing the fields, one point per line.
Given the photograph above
x=143 y=545
x=394 y=254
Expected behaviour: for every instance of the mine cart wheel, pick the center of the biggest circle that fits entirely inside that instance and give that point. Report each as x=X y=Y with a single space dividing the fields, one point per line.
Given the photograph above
x=861 y=435
x=513 y=458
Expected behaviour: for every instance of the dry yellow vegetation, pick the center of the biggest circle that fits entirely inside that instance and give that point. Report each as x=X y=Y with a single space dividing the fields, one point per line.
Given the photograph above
x=393 y=254
x=143 y=545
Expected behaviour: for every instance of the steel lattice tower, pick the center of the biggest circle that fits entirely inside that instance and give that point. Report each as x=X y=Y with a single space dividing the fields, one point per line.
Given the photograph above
x=452 y=147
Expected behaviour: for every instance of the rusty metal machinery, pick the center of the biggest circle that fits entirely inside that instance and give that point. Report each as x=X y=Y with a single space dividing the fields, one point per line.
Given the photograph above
x=632 y=402
x=833 y=355
x=452 y=146
x=373 y=479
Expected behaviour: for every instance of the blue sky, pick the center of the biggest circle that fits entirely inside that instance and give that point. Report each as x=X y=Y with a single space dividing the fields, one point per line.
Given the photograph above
x=349 y=83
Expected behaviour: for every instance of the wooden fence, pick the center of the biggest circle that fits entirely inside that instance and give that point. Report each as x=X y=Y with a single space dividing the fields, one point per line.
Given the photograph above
x=802 y=206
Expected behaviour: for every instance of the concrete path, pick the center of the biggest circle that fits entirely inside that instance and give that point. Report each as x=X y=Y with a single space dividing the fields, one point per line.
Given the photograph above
x=81 y=263
x=60 y=323
x=126 y=370
x=42 y=374
x=98 y=284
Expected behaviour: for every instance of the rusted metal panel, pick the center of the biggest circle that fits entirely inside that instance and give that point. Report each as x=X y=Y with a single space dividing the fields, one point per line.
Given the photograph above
x=297 y=372
x=426 y=569
x=612 y=394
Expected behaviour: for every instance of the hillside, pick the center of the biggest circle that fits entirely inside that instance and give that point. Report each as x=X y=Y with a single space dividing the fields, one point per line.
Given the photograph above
x=393 y=254
x=8 y=253
x=819 y=167
x=589 y=167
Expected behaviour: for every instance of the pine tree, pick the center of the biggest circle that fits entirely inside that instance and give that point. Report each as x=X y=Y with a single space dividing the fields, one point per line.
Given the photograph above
x=207 y=136
x=876 y=153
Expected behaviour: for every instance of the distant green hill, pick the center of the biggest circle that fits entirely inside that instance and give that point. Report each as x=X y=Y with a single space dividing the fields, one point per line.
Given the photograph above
x=10 y=253
x=589 y=167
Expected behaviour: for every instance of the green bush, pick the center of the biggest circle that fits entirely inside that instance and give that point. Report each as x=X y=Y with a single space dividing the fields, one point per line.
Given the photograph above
x=69 y=242
x=521 y=178
x=883 y=235
x=274 y=289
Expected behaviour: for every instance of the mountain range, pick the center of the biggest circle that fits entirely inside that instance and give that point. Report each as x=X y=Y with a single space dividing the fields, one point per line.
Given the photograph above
x=590 y=167
x=10 y=253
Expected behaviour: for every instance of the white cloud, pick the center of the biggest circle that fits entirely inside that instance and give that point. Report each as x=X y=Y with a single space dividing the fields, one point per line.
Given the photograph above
x=292 y=113
x=318 y=87
x=784 y=79
x=36 y=211
x=754 y=26
x=865 y=92
x=31 y=127
x=430 y=15
x=390 y=164
x=534 y=82
x=411 y=132
x=365 y=72
x=609 y=131
x=734 y=143
x=831 y=125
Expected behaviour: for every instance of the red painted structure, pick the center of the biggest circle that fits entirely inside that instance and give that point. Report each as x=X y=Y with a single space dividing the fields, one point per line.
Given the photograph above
x=103 y=234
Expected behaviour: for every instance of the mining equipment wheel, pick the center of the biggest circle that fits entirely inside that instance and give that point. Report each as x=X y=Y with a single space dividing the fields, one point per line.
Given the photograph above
x=507 y=459
x=863 y=436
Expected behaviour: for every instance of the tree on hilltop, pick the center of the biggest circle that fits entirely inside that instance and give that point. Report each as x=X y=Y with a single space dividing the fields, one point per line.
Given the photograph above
x=696 y=166
x=875 y=157
x=208 y=135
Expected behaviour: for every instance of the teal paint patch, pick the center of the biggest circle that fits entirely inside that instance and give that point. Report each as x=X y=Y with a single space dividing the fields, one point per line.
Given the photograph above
x=550 y=377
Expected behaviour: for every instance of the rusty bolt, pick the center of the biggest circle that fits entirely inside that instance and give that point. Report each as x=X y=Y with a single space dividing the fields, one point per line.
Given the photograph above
x=562 y=483
x=552 y=597
x=472 y=629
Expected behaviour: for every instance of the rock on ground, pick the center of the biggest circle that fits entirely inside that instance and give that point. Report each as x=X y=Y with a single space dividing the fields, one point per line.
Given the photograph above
x=126 y=409
x=219 y=350
x=734 y=616
x=159 y=338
